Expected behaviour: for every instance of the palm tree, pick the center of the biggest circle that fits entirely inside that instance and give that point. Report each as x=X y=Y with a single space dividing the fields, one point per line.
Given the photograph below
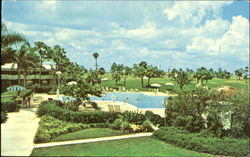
x=182 y=78
x=96 y=55
x=7 y=41
x=140 y=70
x=19 y=59
x=126 y=71
x=31 y=60
x=150 y=72
x=42 y=49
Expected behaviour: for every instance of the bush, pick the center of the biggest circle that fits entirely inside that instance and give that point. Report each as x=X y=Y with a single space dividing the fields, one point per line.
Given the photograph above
x=42 y=89
x=50 y=128
x=126 y=127
x=156 y=119
x=8 y=104
x=117 y=124
x=3 y=114
x=206 y=144
x=50 y=108
x=147 y=126
x=133 y=117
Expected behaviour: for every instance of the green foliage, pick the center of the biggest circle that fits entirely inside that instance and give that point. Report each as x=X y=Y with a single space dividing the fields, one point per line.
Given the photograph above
x=50 y=108
x=42 y=89
x=125 y=126
x=156 y=119
x=8 y=104
x=50 y=127
x=147 y=126
x=133 y=117
x=239 y=107
x=197 y=142
x=182 y=77
x=189 y=108
x=4 y=116
x=117 y=124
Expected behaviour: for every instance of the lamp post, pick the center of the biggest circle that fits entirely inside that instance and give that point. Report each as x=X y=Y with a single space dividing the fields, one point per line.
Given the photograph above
x=58 y=73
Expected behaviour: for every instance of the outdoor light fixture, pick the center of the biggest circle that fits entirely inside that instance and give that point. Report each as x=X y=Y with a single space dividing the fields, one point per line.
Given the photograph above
x=58 y=73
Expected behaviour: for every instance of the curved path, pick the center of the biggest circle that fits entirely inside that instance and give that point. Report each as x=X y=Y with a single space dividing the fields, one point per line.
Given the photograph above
x=52 y=144
x=18 y=132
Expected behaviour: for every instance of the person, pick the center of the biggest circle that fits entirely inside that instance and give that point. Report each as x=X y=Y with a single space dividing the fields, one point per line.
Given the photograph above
x=28 y=101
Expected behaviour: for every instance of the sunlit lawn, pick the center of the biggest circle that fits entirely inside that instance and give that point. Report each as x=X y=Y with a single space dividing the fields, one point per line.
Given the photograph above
x=88 y=133
x=133 y=83
x=144 y=146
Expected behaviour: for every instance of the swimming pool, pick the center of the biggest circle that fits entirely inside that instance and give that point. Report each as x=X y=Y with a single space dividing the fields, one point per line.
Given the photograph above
x=139 y=100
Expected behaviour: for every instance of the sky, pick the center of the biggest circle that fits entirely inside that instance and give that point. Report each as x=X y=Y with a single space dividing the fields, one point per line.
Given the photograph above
x=167 y=34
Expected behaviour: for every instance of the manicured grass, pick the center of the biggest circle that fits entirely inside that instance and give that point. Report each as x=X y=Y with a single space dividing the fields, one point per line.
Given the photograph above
x=215 y=82
x=88 y=133
x=143 y=146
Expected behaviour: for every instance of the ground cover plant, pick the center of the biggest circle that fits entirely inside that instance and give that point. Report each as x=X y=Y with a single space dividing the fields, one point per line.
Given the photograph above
x=50 y=128
x=203 y=142
x=144 y=146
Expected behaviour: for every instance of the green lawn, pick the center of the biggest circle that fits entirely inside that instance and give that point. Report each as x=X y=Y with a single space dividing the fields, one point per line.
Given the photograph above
x=88 y=133
x=216 y=82
x=143 y=146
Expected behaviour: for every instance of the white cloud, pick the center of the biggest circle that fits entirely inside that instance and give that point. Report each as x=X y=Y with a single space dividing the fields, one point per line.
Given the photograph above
x=193 y=12
x=119 y=45
x=234 y=41
x=147 y=30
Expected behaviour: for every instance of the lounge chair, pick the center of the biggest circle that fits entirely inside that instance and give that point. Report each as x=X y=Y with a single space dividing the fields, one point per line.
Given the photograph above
x=111 y=108
x=117 y=108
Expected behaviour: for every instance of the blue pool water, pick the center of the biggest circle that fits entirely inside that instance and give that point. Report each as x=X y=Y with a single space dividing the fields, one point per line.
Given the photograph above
x=139 y=100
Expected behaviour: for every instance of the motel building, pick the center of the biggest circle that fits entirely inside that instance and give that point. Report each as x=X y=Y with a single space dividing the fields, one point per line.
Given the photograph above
x=9 y=76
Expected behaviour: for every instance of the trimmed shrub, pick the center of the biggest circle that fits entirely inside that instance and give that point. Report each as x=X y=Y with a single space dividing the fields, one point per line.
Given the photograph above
x=156 y=119
x=8 y=104
x=3 y=114
x=42 y=89
x=126 y=127
x=206 y=144
x=147 y=126
x=133 y=117
x=50 y=108
x=50 y=127
x=117 y=124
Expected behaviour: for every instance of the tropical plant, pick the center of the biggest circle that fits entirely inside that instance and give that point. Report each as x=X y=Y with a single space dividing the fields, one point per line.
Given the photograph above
x=140 y=70
x=8 y=40
x=126 y=72
x=96 y=55
x=42 y=49
x=182 y=78
x=239 y=72
x=116 y=71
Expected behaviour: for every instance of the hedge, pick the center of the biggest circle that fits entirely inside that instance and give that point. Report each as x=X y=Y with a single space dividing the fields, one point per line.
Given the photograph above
x=23 y=93
x=50 y=108
x=50 y=127
x=196 y=142
x=8 y=104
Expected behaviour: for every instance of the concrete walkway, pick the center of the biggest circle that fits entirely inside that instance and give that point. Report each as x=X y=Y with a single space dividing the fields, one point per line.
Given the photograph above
x=18 y=133
x=52 y=144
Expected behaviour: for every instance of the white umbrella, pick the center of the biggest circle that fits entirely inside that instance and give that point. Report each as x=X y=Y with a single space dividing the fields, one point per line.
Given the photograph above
x=169 y=84
x=155 y=85
x=72 y=83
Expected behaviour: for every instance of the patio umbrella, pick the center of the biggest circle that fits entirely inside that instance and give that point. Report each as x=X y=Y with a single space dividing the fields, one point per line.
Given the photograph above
x=16 y=88
x=72 y=83
x=155 y=85
x=169 y=84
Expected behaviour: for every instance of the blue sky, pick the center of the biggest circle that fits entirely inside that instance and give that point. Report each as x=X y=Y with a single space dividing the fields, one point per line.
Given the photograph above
x=170 y=34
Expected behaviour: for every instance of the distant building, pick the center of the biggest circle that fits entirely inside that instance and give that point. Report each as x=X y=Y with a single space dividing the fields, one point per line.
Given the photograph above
x=9 y=76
